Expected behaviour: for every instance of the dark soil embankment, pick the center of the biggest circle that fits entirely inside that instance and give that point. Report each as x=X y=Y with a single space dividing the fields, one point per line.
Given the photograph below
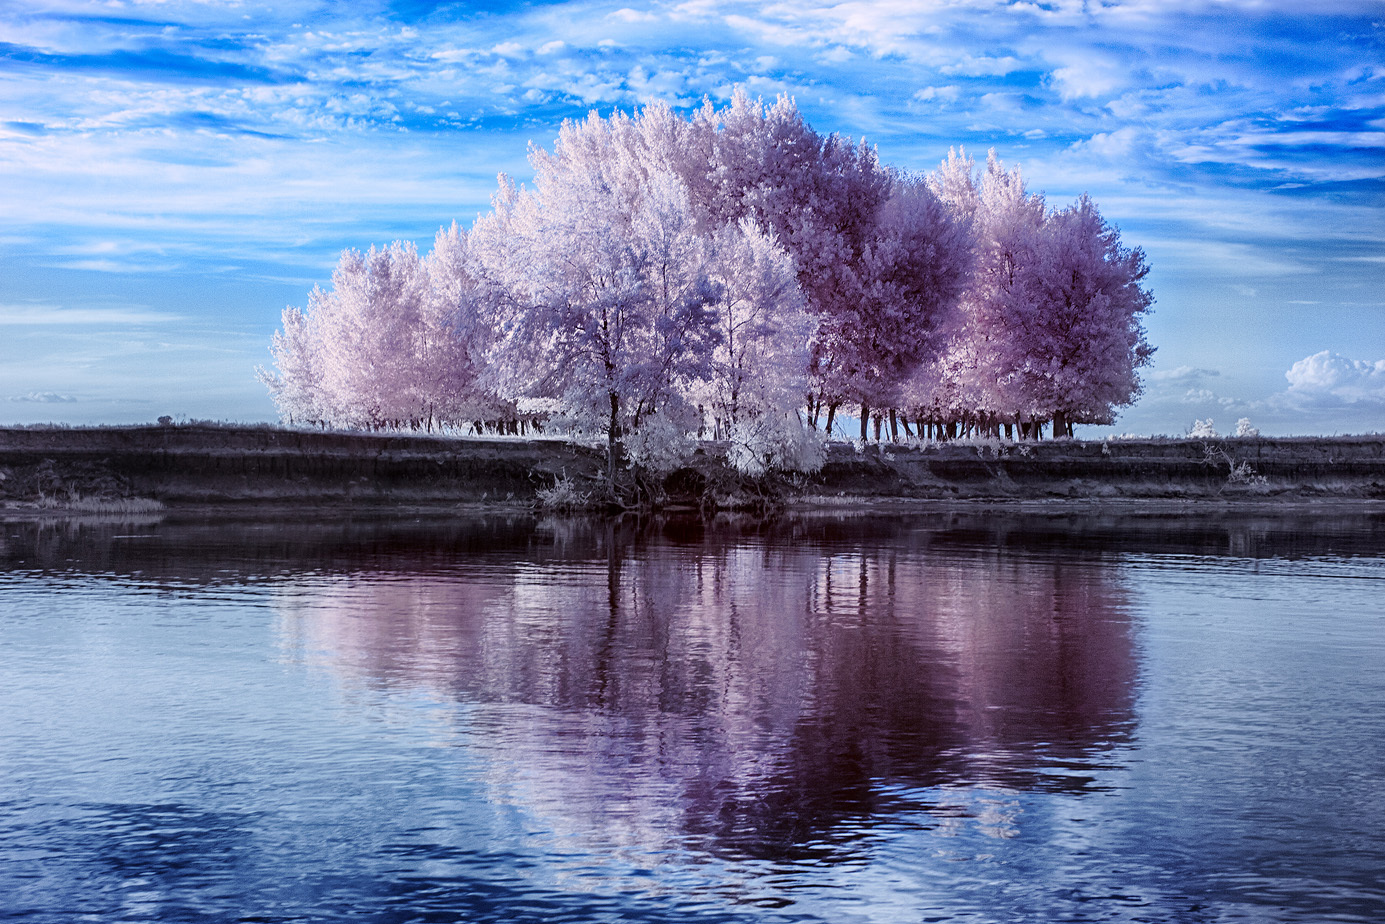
x=97 y=468
x=126 y=469
x=1305 y=468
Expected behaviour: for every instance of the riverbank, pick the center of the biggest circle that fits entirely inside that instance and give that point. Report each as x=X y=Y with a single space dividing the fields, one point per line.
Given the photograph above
x=149 y=468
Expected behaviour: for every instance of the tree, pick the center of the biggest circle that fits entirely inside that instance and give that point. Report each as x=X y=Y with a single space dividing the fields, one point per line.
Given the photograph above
x=453 y=336
x=759 y=361
x=666 y=275
x=1000 y=306
x=387 y=344
x=878 y=257
x=913 y=270
x=818 y=196
x=296 y=388
x=1087 y=344
x=976 y=381
x=600 y=284
x=1050 y=325
x=365 y=328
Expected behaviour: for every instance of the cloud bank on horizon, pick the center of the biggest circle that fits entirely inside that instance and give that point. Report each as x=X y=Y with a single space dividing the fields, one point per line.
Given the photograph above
x=175 y=172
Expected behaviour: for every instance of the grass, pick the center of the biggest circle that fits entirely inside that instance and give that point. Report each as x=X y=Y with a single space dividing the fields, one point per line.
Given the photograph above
x=76 y=503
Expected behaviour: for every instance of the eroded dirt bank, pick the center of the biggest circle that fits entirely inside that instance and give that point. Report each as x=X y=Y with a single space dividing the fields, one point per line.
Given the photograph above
x=113 y=468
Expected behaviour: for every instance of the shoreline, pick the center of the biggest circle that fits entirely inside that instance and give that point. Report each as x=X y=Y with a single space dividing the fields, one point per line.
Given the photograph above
x=150 y=469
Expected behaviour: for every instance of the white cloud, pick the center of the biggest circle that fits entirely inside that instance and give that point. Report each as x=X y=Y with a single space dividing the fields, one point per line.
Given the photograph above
x=983 y=67
x=774 y=33
x=1203 y=397
x=1329 y=377
x=1109 y=145
x=1324 y=138
x=43 y=397
x=1089 y=76
x=1003 y=103
x=949 y=92
x=628 y=15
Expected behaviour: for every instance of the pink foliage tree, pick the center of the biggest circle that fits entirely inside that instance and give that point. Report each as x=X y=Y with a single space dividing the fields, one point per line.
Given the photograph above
x=1050 y=326
x=366 y=325
x=454 y=335
x=817 y=195
x=1089 y=344
x=913 y=271
x=295 y=386
x=878 y=257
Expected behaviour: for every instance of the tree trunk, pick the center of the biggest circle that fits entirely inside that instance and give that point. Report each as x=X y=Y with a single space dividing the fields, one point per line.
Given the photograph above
x=611 y=444
x=865 y=421
x=1060 y=424
x=831 y=416
x=894 y=426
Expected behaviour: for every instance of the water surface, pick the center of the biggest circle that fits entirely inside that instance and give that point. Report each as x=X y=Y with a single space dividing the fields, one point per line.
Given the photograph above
x=953 y=716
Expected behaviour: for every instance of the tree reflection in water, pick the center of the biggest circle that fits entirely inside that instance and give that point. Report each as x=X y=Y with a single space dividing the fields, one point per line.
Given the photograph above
x=763 y=690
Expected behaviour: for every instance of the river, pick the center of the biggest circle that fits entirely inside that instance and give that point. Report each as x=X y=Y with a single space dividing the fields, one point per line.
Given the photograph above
x=966 y=715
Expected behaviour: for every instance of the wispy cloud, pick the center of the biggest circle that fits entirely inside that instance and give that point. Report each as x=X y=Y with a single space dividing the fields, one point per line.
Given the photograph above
x=1182 y=376
x=44 y=316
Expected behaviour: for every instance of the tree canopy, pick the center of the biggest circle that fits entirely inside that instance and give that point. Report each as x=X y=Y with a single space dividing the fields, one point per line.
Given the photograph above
x=731 y=275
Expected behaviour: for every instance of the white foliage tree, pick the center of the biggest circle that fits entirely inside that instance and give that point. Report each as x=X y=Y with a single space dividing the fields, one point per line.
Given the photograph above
x=387 y=344
x=296 y=385
x=454 y=335
x=600 y=284
x=366 y=326
x=759 y=363
x=1203 y=429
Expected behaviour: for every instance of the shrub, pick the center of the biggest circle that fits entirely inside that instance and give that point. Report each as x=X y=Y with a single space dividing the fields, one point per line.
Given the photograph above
x=1202 y=429
x=775 y=442
x=561 y=496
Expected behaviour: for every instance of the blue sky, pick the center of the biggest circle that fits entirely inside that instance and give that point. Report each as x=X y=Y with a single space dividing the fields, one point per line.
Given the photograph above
x=174 y=173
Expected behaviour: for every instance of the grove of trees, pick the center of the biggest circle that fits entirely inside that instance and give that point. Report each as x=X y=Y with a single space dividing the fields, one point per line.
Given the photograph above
x=735 y=276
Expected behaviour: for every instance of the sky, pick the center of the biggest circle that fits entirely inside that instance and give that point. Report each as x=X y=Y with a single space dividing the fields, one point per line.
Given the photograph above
x=173 y=173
